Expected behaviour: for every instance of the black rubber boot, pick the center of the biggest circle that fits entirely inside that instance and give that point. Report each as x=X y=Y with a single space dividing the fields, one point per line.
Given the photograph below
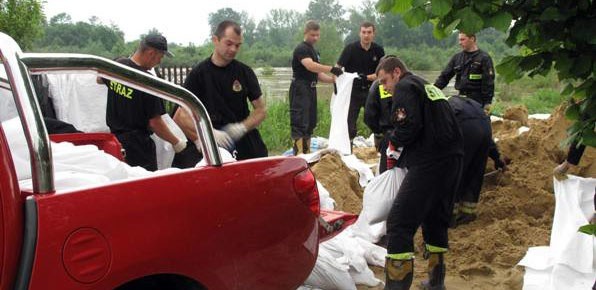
x=398 y=274
x=306 y=145
x=465 y=218
x=298 y=147
x=436 y=273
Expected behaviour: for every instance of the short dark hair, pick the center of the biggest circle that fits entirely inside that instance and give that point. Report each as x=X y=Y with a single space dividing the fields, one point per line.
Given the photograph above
x=311 y=25
x=221 y=28
x=390 y=63
x=367 y=24
x=470 y=35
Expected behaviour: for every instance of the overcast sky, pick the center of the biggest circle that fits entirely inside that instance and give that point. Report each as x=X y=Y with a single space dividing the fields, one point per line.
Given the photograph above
x=179 y=20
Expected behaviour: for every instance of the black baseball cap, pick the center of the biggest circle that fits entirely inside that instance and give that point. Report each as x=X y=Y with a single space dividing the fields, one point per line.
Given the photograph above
x=158 y=42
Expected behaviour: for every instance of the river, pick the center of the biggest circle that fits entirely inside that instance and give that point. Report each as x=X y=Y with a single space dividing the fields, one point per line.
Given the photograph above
x=276 y=82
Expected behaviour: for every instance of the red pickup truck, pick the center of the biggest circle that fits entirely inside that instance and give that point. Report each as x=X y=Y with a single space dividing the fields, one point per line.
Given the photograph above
x=242 y=225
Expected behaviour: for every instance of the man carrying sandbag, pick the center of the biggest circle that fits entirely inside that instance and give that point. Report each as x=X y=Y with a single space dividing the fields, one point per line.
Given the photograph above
x=426 y=128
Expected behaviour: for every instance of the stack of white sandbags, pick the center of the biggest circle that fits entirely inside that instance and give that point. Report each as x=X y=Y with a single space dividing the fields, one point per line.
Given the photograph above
x=569 y=262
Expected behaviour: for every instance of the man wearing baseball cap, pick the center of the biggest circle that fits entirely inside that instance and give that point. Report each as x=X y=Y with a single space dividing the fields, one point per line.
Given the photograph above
x=133 y=115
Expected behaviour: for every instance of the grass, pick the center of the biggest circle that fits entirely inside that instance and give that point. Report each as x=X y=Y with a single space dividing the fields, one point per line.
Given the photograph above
x=539 y=94
x=275 y=130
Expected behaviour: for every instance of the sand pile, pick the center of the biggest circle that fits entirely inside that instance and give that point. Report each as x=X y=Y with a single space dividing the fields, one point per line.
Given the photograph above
x=517 y=113
x=340 y=181
x=515 y=210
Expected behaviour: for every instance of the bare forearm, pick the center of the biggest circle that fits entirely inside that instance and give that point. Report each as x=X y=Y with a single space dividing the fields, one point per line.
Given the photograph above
x=185 y=122
x=325 y=78
x=258 y=114
x=161 y=129
x=255 y=119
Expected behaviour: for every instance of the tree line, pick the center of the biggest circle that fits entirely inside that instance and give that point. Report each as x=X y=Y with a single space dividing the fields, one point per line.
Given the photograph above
x=270 y=41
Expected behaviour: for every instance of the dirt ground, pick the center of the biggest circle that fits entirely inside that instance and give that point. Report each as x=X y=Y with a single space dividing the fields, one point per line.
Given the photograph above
x=515 y=210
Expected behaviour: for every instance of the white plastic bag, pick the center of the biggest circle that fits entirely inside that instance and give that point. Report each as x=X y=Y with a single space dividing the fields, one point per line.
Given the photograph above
x=164 y=151
x=325 y=199
x=330 y=273
x=569 y=261
x=79 y=100
x=339 y=137
x=356 y=251
x=377 y=202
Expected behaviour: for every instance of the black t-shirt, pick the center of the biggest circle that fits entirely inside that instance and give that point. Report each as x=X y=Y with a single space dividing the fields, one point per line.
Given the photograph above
x=302 y=51
x=356 y=59
x=224 y=91
x=129 y=109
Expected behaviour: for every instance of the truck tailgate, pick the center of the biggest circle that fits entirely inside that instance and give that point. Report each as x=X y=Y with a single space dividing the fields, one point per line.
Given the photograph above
x=331 y=223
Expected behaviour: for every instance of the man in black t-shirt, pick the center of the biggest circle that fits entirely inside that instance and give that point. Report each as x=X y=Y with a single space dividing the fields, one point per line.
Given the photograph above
x=361 y=57
x=224 y=86
x=306 y=71
x=133 y=115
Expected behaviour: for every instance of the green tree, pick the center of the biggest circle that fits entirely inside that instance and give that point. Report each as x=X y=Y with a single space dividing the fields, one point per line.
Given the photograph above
x=549 y=33
x=61 y=35
x=22 y=20
x=248 y=24
x=279 y=27
x=330 y=44
x=366 y=12
x=328 y=11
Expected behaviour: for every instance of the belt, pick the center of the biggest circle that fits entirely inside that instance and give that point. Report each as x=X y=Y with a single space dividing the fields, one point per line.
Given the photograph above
x=313 y=84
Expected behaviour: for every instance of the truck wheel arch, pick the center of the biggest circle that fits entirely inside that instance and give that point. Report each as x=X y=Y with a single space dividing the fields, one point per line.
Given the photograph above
x=159 y=281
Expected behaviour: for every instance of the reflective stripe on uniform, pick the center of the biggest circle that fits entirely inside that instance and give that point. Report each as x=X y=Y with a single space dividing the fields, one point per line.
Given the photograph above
x=435 y=249
x=401 y=256
x=475 y=77
x=384 y=93
x=434 y=93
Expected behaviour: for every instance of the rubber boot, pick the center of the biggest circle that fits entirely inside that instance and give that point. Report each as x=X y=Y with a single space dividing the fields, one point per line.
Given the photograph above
x=436 y=273
x=298 y=147
x=398 y=274
x=306 y=145
x=465 y=218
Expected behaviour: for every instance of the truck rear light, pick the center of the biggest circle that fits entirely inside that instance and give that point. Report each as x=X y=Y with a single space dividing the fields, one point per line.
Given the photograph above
x=305 y=186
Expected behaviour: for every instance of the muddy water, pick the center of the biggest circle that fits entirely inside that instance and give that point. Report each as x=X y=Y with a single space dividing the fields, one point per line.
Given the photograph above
x=276 y=83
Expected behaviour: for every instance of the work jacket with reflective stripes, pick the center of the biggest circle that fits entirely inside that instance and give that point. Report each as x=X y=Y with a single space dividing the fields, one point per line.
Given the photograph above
x=474 y=74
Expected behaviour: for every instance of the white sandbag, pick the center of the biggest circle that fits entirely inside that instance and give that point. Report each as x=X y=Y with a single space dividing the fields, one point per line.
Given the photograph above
x=569 y=261
x=539 y=116
x=330 y=273
x=164 y=151
x=347 y=245
x=364 y=172
x=374 y=255
x=325 y=199
x=361 y=142
x=377 y=202
x=79 y=100
x=226 y=157
x=339 y=137
x=573 y=208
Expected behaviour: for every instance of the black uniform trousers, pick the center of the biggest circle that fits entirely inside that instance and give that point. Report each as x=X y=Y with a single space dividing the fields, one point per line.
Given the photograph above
x=424 y=198
x=383 y=150
x=303 y=108
x=139 y=149
x=479 y=97
x=187 y=158
x=477 y=140
x=357 y=101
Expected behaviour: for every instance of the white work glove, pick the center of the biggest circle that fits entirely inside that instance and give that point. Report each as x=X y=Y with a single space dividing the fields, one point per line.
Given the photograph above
x=181 y=145
x=235 y=130
x=198 y=145
x=223 y=139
